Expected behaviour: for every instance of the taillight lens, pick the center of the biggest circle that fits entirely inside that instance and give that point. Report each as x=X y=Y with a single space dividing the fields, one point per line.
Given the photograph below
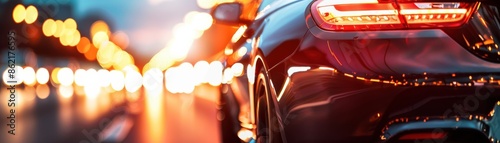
x=438 y=14
x=424 y=136
x=356 y=15
x=375 y=15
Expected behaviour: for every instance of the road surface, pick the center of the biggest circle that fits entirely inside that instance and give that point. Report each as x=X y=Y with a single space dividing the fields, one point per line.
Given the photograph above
x=112 y=116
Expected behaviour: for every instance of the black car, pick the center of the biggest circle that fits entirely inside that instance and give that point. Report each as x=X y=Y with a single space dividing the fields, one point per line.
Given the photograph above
x=361 y=71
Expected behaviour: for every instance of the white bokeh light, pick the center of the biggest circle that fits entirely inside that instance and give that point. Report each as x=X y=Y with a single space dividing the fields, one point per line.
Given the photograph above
x=42 y=76
x=133 y=81
x=201 y=72
x=29 y=76
x=153 y=79
x=65 y=76
x=103 y=76
x=80 y=77
x=215 y=73
x=117 y=80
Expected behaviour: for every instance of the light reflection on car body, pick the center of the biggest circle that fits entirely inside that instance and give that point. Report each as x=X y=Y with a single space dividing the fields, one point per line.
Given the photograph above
x=309 y=80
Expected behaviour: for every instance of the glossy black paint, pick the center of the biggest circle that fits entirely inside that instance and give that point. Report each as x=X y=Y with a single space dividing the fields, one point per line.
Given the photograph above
x=326 y=106
x=363 y=86
x=480 y=35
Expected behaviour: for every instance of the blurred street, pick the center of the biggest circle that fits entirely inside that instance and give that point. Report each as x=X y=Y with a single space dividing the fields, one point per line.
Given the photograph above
x=111 y=71
x=127 y=117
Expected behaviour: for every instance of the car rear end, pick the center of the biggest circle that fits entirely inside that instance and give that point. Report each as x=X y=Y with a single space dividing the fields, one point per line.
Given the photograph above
x=439 y=48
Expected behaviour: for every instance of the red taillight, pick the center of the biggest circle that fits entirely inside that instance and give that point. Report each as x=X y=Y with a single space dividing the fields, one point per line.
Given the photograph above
x=375 y=15
x=423 y=136
x=438 y=14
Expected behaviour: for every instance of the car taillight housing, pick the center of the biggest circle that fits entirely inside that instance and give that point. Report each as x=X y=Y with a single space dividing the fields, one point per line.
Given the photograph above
x=344 y=15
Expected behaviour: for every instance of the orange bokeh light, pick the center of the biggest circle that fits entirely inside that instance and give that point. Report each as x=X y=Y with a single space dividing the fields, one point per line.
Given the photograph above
x=99 y=26
x=84 y=45
x=91 y=53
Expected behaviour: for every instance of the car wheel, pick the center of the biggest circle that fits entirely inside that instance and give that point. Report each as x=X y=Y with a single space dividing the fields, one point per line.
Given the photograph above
x=267 y=129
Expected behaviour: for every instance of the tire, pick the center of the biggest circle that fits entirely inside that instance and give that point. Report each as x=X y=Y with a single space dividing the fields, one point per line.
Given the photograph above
x=267 y=130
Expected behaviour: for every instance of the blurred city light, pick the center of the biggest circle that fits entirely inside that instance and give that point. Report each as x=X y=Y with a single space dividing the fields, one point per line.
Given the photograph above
x=201 y=72
x=54 y=74
x=29 y=76
x=190 y=16
x=245 y=135
x=91 y=89
x=185 y=78
x=59 y=28
x=65 y=91
x=31 y=14
x=105 y=54
x=186 y=31
x=107 y=50
x=241 y=52
x=42 y=76
x=122 y=59
x=236 y=36
x=49 y=27
x=250 y=73
x=80 y=77
x=91 y=77
x=227 y=75
x=42 y=91
x=70 y=23
x=65 y=76
x=153 y=79
x=19 y=13
x=215 y=72
x=237 y=69
x=121 y=39
x=72 y=37
x=83 y=45
x=117 y=71
x=228 y=51
x=203 y=21
x=206 y=4
x=179 y=48
x=103 y=76
x=99 y=38
x=170 y=80
x=117 y=80
x=133 y=81
x=179 y=79
x=91 y=53
x=99 y=26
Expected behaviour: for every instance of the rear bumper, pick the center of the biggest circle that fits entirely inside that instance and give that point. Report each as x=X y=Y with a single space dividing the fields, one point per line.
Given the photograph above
x=323 y=105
